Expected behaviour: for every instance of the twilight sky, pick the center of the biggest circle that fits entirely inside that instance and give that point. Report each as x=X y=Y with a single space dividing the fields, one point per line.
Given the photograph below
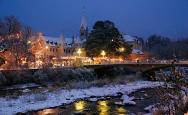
x=134 y=17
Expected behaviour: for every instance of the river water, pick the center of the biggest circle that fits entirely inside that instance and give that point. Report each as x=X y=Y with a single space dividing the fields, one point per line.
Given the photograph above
x=104 y=106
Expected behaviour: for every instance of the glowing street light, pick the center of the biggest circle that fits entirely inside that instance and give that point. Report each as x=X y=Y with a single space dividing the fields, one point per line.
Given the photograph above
x=29 y=42
x=103 y=53
x=46 y=47
x=122 y=49
x=79 y=52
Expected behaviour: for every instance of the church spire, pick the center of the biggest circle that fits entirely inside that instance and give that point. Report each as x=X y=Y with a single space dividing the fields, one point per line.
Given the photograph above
x=83 y=22
x=62 y=39
x=83 y=26
x=83 y=19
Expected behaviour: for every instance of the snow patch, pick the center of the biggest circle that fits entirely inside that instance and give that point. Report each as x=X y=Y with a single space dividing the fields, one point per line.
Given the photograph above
x=128 y=100
x=21 y=86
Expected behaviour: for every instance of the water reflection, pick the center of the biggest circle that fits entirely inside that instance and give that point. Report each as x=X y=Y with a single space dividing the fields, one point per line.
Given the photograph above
x=121 y=111
x=103 y=107
x=49 y=112
x=80 y=105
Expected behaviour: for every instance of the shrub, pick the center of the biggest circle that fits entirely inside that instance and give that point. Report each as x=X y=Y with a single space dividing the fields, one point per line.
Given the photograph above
x=39 y=76
x=3 y=80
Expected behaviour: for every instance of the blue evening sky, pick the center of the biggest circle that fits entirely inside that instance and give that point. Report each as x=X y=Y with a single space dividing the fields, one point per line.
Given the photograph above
x=134 y=17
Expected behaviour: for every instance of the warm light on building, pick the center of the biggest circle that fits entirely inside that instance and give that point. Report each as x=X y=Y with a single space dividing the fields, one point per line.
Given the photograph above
x=120 y=59
x=46 y=47
x=39 y=62
x=23 y=61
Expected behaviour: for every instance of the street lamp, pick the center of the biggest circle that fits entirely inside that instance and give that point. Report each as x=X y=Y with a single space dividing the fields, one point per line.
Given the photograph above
x=29 y=42
x=122 y=49
x=46 y=47
x=79 y=52
x=103 y=53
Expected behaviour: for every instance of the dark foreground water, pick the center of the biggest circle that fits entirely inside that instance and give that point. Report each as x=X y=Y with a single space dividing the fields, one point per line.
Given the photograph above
x=105 y=106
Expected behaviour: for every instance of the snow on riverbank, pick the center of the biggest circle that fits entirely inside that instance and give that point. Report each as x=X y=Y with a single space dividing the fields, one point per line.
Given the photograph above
x=51 y=99
x=21 y=86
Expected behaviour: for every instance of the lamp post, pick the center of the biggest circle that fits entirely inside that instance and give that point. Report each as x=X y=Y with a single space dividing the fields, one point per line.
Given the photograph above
x=28 y=42
x=103 y=53
x=46 y=47
x=122 y=49
x=79 y=52
x=46 y=54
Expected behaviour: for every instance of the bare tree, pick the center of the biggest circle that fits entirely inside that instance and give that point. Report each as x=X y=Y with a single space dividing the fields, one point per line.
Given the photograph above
x=15 y=38
x=13 y=25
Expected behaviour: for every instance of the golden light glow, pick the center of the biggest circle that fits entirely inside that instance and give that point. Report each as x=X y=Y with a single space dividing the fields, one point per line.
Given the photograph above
x=121 y=49
x=24 y=62
x=121 y=111
x=186 y=113
x=29 y=42
x=103 y=107
x=46 y=47
x=39 y=62
x=79 y=51
x=80 y=105
x=103 y=53
x=49 y=112
x=120 y=59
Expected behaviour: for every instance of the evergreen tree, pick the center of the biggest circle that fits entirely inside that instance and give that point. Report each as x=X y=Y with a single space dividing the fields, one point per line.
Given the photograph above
x=105 y=36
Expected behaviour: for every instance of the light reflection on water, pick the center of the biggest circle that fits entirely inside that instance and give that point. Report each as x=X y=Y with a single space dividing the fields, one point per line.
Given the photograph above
x=103 y=107
x=121 y=111
x=49 y=112
x=80 y=105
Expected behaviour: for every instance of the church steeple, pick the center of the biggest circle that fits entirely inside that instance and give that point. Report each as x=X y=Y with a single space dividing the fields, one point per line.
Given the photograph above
x=83 y=23
x=62 y=39
x=83 y=27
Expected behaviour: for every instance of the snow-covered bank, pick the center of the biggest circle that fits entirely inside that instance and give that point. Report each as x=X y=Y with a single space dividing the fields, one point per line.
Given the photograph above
x=21 y=86
x=50 y=99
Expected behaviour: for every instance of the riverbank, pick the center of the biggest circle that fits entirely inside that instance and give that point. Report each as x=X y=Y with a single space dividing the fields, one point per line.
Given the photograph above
x=137 y=102
x=44 y=99
x=59 y=76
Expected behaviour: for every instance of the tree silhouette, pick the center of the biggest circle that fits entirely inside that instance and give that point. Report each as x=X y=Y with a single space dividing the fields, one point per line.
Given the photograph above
x=105 y=36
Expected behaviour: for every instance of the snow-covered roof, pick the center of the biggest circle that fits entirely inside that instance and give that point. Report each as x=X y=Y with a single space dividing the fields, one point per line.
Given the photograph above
x=54 y=39
x=57 y=40
x=136 y=51
x=129 y=38
x=68 y=40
